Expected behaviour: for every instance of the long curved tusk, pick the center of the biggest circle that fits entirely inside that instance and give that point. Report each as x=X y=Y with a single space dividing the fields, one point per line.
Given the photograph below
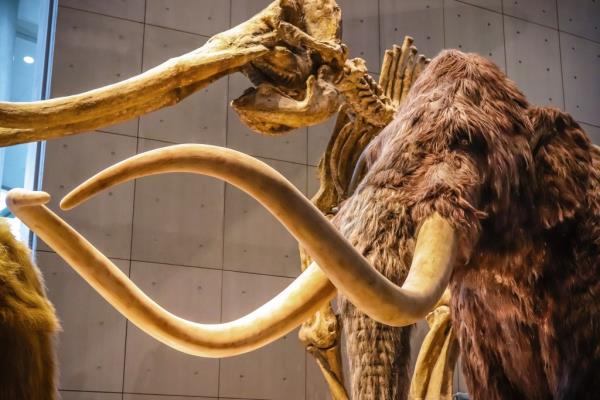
x=349 y=271
x=159 y=87
x=288 y=309
x=164 y=85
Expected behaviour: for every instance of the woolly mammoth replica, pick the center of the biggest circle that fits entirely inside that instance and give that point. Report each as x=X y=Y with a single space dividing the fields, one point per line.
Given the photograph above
x=27 y=325
x=439 y=176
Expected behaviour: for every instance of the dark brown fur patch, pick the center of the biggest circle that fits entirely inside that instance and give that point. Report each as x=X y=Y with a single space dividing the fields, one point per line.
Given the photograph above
x=27 y=326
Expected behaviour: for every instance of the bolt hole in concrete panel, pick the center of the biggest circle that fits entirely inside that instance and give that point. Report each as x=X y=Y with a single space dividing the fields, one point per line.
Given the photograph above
x=152 y=367
x=421 y=19
x=197 y=119
x=580 y=17
x=538 y=11
x=206 y=17
x=533 y=60
x=494 y=5
x=581 y=64
x=259 y=374
x=89 y=54
x=361 y=30
x=474 y=29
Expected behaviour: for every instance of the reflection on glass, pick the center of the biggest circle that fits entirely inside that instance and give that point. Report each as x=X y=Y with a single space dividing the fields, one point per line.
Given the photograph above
x=25 y=27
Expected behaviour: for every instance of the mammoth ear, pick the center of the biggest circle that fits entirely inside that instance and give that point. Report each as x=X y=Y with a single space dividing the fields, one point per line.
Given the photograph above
x=562 y=157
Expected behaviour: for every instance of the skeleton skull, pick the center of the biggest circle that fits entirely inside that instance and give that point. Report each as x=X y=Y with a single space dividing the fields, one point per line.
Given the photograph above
x=287 y=46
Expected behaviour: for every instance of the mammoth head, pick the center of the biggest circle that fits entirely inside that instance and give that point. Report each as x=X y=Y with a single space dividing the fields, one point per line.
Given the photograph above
x=467 y=146
x=294 y=81
x=290 y=51
x=459 y=147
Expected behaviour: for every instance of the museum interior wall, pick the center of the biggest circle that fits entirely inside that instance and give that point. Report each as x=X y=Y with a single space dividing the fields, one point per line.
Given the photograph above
x=205 y=250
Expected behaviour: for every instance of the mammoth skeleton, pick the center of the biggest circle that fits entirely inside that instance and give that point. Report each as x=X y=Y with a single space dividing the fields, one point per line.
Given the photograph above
x=467 y=184
x=292 y=52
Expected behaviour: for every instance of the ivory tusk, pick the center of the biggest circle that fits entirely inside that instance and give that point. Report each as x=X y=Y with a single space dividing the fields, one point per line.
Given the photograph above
x=349 y=271
x=162 y=86
x=159 y=87
x=298 y=302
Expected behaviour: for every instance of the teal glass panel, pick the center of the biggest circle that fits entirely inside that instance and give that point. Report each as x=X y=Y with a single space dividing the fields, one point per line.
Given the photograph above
x=26 y=37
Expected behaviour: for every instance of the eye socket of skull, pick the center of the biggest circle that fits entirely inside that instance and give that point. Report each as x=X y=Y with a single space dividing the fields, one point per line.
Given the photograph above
x=274 y=110
x=282 y=67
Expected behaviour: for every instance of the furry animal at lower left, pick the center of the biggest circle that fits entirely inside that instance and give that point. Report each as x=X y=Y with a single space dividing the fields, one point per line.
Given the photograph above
x=28 y=325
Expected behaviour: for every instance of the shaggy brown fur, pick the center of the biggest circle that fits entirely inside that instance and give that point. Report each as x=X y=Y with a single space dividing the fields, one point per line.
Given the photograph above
x=378 y=354
x=27 y=326
x=521 y=185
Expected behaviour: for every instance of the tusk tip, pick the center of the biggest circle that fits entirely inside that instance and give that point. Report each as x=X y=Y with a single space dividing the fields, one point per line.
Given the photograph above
x=71 y=200
x=18 y=198
x=81 y=194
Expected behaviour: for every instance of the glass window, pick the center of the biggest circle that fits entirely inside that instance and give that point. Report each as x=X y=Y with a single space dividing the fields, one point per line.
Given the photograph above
x=26 y=37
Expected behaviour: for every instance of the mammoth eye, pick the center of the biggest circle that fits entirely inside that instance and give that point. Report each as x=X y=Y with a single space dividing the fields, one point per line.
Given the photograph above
x=461 y=139
x=471 y=142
